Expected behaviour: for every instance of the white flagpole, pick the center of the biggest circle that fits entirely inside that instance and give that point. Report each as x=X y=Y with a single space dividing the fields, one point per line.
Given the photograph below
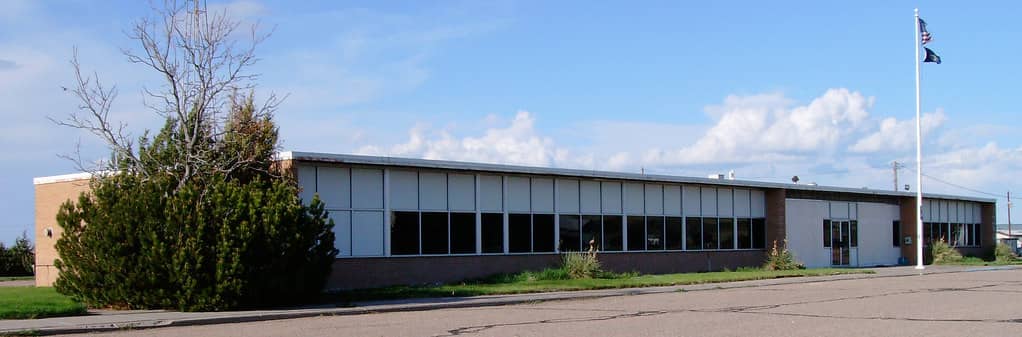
x=919 y=161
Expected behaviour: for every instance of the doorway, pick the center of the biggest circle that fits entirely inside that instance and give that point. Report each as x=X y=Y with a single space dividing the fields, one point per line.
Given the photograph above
x=840 y=244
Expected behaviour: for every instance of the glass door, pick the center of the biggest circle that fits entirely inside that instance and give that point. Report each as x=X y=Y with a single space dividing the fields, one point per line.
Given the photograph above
x=840 y=243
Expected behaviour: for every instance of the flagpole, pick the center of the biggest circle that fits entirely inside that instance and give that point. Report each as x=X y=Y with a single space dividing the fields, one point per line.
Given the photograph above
x=919 y=160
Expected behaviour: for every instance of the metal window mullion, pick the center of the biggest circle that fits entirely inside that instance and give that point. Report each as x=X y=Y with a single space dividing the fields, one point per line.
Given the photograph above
x=557 y=218
x=386 y=211
x=478 y=217
x=447 y=197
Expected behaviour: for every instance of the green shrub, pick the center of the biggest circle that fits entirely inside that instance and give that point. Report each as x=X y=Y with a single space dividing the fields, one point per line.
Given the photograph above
x=1004 y=253
x=17 y=260
x=781 y=259
x=943 y=253
x=580 y=264
x=133 y=244
x=154 y=235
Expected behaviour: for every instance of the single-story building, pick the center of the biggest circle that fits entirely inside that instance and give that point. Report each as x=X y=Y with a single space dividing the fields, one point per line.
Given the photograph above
x=414 y=221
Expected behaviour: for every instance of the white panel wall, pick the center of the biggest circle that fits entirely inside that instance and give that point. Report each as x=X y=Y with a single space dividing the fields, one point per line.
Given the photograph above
x=759 y=204
x=433 y=190
x=367 y=188
x=461 y=192
x=672 y=200
x=342 y=232
x=611 y=195
x=404 y=190
x=976 y=212
x=367 y=229
x=567 y=196
x=654 y=199
x=927 y=207
x=961 y=212
x=690 y=200
x=491 y=193
x=518 y=194
x=942 y=211
x=853 y=211
x=875 y=246
x=709 y=201
x=333 y=187
x=742 y=204
x=804 y=223
x=633 y=198
x=542 y=195
x=838 y=210
x=307 y=182
x=590 y=197
x=724 y=202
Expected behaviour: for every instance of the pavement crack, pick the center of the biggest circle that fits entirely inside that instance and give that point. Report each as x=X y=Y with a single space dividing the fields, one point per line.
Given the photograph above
x=480 y=328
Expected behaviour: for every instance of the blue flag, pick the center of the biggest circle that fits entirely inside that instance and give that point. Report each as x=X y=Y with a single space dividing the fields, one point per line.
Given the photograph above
x=931 y=56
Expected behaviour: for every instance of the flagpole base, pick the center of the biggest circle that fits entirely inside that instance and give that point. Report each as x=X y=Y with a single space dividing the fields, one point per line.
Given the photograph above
x=920 y=267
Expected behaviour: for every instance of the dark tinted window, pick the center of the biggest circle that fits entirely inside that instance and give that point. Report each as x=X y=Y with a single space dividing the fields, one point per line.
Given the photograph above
x=758 y=233
x=519 y=233
x=570 y=233
x=404 y=233
x=613 y=240
x=591 y=231
x=434 y=233
x=543 y=233
x=636 y=233
x=710 y=233
x=673 y=233
x=463 y=233
x=693 y=233
x=896 y=233
x=979 y=238
x=853 y=228
x=826 y=233
x=493 y=233
x=727 y=233
x=744 y=234
x=654 y=233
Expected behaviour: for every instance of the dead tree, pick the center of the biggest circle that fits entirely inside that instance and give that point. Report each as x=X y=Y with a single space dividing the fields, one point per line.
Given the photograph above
x=203 y=60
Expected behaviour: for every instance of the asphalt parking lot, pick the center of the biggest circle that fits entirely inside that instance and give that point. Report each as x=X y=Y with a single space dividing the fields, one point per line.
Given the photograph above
x=977 y=303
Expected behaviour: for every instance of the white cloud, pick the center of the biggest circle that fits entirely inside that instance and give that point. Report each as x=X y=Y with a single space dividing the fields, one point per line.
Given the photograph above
x=765 y=128
x=895 y=135
x=517 y=143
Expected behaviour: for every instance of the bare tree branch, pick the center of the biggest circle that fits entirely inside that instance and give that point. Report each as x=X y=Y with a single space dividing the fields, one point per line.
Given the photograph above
x=202 y=69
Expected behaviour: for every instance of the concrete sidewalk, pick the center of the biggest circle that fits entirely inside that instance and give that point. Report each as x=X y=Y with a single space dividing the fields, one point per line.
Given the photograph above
x=104 y=320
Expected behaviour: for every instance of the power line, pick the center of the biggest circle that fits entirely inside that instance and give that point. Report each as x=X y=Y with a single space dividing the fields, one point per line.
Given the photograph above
x=960 y=186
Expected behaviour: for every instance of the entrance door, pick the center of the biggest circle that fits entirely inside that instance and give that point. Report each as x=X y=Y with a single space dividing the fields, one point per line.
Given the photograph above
x=840 y=243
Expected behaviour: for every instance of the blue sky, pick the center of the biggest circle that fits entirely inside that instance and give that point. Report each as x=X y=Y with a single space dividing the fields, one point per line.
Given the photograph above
x=816 y=89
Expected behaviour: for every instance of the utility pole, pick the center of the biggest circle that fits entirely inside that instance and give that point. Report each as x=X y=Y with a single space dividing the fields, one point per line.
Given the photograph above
x=895 y=165
x=1010 y=234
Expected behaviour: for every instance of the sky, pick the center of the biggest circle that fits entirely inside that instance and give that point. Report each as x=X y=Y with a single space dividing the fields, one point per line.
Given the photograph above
x=821 y=90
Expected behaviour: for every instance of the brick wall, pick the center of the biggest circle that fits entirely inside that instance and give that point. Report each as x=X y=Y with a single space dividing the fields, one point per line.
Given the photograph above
x=48 y=198
x=353 y=273
x=776 y=222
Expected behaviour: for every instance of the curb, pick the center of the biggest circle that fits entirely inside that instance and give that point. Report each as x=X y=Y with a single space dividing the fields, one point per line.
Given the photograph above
x=461 y=302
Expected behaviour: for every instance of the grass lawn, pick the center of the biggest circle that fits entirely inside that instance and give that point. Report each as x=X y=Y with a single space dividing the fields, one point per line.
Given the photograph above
x=33 y=302
x=975 y=261
x=536 y=282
